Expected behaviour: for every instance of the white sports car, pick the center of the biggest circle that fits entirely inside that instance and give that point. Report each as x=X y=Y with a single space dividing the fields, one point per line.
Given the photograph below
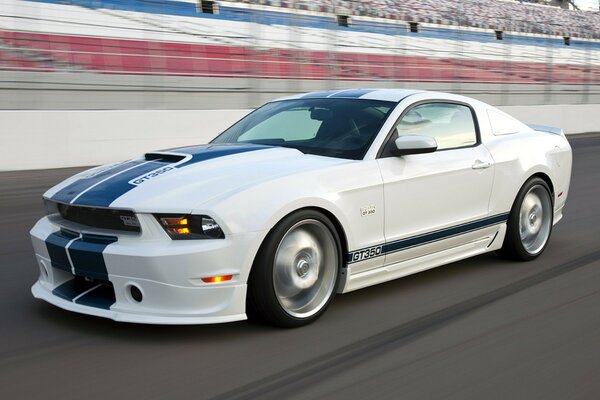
x=306 y=197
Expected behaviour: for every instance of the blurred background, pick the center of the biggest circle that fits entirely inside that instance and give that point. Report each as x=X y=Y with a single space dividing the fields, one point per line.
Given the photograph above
x=102 y=80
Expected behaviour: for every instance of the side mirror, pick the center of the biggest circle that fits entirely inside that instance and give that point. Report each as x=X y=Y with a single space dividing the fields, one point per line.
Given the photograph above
x=413 y=144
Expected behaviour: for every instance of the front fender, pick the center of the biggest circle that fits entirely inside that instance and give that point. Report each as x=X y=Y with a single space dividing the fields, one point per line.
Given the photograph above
x=341 y=191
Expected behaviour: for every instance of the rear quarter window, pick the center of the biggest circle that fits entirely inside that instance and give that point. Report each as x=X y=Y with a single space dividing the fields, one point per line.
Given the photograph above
x=504 y=124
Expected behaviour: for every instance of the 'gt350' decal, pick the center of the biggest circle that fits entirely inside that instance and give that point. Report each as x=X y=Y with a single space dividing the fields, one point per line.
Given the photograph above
x=361 y=255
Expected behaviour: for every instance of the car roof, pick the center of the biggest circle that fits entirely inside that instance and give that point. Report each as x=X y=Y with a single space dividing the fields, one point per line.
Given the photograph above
x=394 y=95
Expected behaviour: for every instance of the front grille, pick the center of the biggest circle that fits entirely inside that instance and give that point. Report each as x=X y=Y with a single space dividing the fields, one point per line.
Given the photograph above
x=103 y=218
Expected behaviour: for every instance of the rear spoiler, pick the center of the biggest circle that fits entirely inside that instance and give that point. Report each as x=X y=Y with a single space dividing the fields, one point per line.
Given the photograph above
x=549 y=129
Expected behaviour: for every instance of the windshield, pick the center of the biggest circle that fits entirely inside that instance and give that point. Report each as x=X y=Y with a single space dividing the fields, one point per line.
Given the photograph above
x=334 y=127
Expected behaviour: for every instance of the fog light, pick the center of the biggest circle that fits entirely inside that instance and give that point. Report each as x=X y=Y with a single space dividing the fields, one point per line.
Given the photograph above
x=136 y=293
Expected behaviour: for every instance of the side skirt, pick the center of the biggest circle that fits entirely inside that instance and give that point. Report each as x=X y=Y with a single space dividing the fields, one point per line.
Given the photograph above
x=411 y=266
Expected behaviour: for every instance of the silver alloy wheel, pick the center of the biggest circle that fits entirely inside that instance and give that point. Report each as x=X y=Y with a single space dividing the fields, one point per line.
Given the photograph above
x=535 y=218
x=305 y=268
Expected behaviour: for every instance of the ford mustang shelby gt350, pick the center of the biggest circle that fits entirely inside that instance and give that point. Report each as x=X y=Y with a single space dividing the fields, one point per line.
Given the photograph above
x=305 y=197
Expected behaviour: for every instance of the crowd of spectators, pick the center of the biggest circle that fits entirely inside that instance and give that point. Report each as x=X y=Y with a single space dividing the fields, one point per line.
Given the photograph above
x=506 y=15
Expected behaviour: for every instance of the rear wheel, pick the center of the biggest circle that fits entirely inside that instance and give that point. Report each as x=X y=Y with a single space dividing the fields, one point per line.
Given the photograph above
x=529 y=222
x=294 y=276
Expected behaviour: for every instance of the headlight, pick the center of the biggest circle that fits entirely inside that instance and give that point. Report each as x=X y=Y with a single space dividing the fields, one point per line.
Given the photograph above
x=190 y=226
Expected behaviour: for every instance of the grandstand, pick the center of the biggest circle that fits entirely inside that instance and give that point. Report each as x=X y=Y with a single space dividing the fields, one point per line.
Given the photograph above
x=510 y=15
x=250 y=47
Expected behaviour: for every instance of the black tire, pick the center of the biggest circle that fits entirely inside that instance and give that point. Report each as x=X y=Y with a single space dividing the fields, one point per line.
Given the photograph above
x=515 y=247
x=270 y=275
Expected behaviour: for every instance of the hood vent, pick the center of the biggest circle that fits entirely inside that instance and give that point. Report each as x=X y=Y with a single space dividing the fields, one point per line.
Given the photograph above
x=169 y=157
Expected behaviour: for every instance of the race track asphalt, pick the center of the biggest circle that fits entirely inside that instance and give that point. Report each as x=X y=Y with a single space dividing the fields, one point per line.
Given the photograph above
x=482 y=328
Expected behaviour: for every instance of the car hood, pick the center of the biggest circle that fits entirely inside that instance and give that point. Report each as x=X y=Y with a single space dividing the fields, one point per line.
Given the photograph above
x=180 y=180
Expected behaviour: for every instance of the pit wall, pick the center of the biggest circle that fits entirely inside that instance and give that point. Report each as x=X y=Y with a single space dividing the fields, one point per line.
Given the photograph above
x=56 y=139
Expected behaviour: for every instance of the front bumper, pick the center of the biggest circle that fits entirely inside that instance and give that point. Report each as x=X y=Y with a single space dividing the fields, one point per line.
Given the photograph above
x=167 y=273
x=41 y=292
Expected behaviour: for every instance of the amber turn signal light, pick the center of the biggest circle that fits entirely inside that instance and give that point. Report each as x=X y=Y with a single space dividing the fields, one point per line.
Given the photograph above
x=217 y=279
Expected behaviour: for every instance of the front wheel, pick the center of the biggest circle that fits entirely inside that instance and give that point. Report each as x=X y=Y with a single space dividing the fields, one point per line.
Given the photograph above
x=294 y=276
x=529 y=222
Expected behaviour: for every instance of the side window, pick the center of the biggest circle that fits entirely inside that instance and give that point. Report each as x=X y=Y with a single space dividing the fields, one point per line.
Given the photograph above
x=451 y=125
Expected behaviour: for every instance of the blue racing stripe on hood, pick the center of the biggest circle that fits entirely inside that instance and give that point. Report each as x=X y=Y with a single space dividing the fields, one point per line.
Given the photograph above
x=107 y=191
x=69 y=192
x=208 y=152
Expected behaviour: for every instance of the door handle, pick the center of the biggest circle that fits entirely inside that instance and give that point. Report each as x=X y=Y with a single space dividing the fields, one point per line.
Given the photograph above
x=480 y=165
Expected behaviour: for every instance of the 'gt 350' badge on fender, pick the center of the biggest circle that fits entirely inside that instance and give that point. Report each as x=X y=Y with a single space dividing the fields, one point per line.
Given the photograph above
x=366 y=211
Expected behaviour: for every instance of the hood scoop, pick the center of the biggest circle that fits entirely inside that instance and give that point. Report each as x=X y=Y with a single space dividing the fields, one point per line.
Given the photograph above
x=168 y=157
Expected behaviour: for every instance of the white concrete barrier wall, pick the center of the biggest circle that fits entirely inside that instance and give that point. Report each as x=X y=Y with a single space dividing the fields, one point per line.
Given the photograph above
x=572 y=118
x=56 y=139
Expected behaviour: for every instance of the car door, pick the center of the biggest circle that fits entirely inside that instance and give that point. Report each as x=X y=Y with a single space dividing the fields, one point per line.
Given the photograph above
x=435 y=201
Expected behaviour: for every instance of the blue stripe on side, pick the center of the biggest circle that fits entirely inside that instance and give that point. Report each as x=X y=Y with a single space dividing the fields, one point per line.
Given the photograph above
x=420 y=240
x=402 y=244
x=55 y=244
x=88 y=259
x=69 y=192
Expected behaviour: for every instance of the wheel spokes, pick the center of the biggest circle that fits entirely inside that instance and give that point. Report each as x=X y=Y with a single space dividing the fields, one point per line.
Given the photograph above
x=305 y=268
x=535 y=219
